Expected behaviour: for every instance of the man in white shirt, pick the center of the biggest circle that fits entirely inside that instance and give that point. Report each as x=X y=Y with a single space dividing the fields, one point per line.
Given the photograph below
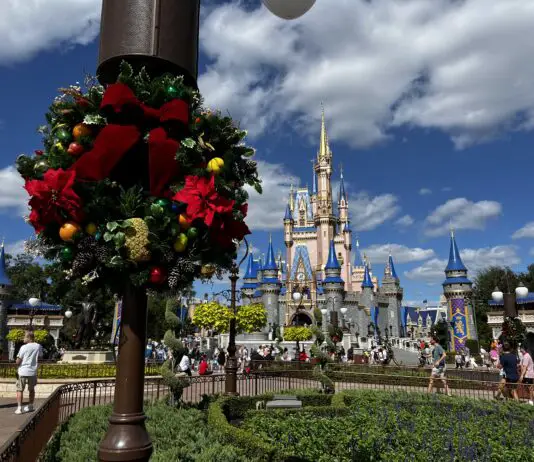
x=27 y=360
x=185 y=365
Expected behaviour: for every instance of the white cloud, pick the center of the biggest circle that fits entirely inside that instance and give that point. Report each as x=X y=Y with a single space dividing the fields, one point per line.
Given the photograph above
x=14 y=248
x=405 y=221
x=425 y=191
x=474 y=259
x=400 y=253
x=461 y=213
x=30 y=26
x=266 y=211
x=370 y=212
x=525 y=231
x=12 y=193
x=432 y=64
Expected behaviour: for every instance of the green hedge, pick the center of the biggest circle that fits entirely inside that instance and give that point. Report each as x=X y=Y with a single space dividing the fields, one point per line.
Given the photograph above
x=367 y=425
x=177 y=435
x=74 y=371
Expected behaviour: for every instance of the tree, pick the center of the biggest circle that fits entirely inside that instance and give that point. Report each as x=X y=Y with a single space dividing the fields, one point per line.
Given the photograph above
x=29 y=279
x=297 y=334
x=484 y=284
x=251 y=318
x=213 y=315
x=441 y=330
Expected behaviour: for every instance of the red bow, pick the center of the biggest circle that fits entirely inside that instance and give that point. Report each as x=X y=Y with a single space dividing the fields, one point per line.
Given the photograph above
x=114 y=141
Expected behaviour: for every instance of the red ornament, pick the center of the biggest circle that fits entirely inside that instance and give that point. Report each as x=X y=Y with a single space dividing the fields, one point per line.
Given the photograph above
x=38 y=152
x=75 y=149
x=157 y=275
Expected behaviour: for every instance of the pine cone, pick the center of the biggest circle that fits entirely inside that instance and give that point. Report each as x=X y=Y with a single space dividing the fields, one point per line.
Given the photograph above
x=182 y=273
x=82 y=263
x=102 y=254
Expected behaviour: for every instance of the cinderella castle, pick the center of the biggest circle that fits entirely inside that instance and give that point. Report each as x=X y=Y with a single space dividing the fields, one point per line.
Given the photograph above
x=321 y=269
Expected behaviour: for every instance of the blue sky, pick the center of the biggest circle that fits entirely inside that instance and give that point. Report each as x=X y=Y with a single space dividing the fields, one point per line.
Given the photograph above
x=429 y=107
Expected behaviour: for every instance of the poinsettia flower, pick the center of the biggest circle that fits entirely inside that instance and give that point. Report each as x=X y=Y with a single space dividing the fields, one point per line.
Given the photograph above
x=53 y=200
x=202 y=199
x=226 y=229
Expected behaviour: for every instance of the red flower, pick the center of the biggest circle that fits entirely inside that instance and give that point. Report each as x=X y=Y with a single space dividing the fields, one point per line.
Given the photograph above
x=225 y=229
x=118 y=95
x=202 y=199
x=53 y=200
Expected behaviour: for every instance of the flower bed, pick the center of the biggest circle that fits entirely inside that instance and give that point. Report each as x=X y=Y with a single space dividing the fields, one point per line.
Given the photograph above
x=397 y=427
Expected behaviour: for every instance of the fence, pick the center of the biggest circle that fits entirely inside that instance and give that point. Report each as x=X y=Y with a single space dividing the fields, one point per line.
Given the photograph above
x=26 y=443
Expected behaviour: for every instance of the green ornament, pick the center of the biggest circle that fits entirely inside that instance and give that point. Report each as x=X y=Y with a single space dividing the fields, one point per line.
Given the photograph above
x=66 y=254
x=171 y=91
x=63 y=135
x=98 y=235
x=163 y=202
x=40 y=167
x=192 y=233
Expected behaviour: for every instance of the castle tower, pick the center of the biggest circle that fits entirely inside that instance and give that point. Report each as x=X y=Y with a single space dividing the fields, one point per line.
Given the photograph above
x=5 y=295
x=347 y=246
x=270 y=286
x=393 y=291
x=288 y=233
x=342 y=204
x=458 y=290
x=333 y=284
x=325 y=221
x=250 y=280
x=367 y=298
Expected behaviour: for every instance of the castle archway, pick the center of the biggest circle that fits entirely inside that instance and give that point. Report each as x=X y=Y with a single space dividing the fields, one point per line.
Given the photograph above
x=301 y=319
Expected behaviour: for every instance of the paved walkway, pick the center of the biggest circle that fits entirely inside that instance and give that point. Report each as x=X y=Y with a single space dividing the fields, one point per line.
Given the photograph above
x=405 y=357
x=9 y=421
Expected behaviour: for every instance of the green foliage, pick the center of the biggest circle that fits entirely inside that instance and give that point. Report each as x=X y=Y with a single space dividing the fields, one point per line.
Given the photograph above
x=212 y=315
x=16 y=335
x=178 y=435
x=177 y=349
x=473 y=346
x=297 y=334
x=441 y=330
x=319 y=335
x=514 y=332
x=379 y=425
x=29 y=279
x=251 y=318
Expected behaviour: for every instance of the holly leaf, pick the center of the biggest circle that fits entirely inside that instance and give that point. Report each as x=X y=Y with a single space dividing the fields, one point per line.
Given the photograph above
x=258 y=188
x=189 y=143
x=112 y=226
x=108 y=237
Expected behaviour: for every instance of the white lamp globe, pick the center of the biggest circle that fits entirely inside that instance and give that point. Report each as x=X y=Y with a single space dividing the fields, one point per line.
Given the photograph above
x=288 y=9
x=324 y=311
x=297 y=296
x=521 y=291
x=34 y=301
x=497 y=295
x=343 y=310
x=68 y=314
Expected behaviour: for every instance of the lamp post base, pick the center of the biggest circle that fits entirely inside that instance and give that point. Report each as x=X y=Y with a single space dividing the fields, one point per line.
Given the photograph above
x=230 y=386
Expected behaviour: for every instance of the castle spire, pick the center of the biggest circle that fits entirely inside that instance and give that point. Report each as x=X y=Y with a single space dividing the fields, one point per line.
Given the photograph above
x=455 y=261
x=270 y=262
x=4 y=279
x=332 y=262
x=288 y=215
x=324 y=150
x=391 y=266
x=367 y=282
x=249 y=274
x=342 y=195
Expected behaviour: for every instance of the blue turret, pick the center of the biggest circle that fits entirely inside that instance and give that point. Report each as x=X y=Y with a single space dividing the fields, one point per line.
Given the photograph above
x=367 y=282
x=332 y=262
x=347 y=228
x=4 y=279
x=455 y=261
x=270 y=262
x=392 y=271
x=250 y=273
x=288 y=215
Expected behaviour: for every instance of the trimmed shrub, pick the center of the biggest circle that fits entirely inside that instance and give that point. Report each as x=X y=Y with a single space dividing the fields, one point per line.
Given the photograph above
x=177 y=435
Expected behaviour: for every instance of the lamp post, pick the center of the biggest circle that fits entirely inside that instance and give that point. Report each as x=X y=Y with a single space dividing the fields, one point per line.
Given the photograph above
x=324 y=312
x=343 y=310
x=333 y=316
x=160 y=36
x=34 y=302
x=509 y=300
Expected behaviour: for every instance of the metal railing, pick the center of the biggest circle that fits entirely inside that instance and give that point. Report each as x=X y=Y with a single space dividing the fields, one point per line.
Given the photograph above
x=28 y=441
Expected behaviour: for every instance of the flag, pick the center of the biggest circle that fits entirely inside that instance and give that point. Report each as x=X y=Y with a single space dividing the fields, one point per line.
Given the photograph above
x=115 y=331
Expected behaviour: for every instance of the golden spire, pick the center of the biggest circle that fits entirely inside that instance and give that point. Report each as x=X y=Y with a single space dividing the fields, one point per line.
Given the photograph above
x=324 y=150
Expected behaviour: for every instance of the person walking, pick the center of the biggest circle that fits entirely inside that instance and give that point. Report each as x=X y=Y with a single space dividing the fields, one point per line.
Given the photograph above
x=509 y=363
x=527 y=373
x=27 y=360
x=438 y=366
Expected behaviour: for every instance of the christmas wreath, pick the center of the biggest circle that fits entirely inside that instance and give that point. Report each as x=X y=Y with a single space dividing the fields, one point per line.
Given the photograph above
x=137 y=181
